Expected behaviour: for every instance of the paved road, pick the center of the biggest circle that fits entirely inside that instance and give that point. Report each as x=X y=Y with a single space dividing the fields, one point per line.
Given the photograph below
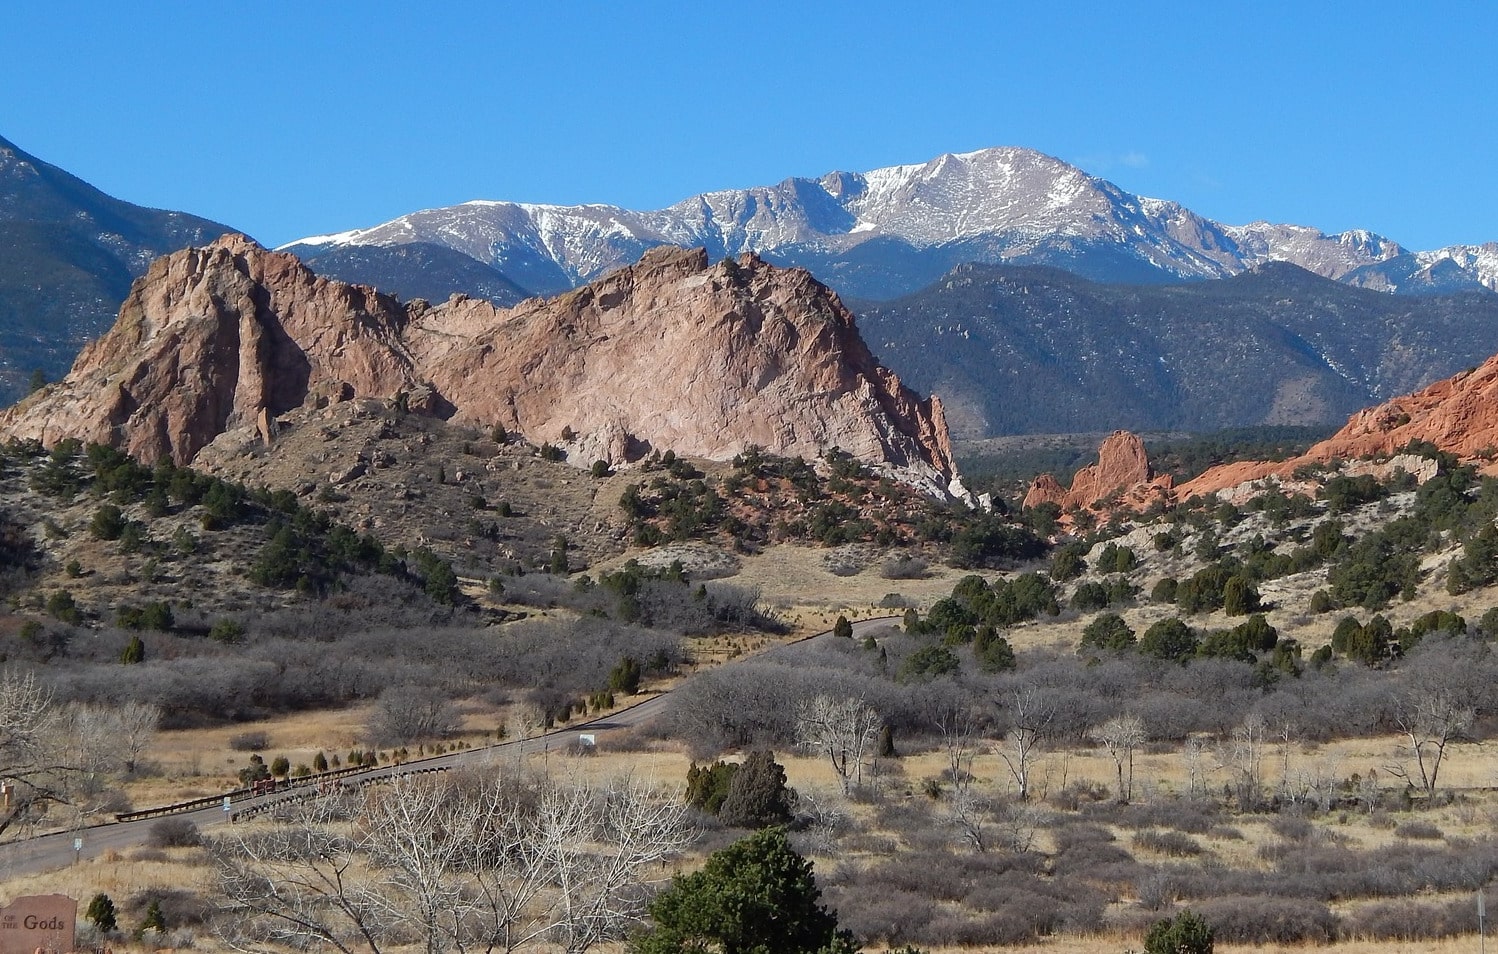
x=49 y=852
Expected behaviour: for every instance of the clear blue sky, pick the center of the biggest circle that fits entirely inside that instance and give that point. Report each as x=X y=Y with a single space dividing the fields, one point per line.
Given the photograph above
x=286 y=119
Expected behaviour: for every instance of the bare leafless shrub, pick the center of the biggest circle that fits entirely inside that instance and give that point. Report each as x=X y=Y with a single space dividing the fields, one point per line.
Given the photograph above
x=1329 y=872
x=1400 y=920
x=932 y=875
x=626 y=740
x=255 y=740
x=1158 y=890
x=1292 y=828
x=1226 y=833
x=1422 y=830
x=878 y=914
x=1269 y=920
x=1081 y=793
x=179 y=907
x=1089 y=852
x=865 y=843
x=1173 y=843
x=1275 y=851
x=412 y=713
x=1130 y=920
x=174 y=833
x=1023 y=905
x=904 y=568
x=1193 y=816
x=1028 y=919
x=541 y=590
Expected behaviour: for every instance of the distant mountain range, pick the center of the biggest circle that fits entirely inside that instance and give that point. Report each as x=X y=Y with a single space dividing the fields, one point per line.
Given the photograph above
x=893 y=231
x=68 y=254
x=1033 y=297
x=1026 y=349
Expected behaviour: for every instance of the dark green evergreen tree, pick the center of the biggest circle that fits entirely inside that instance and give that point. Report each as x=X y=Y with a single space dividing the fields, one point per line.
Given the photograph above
x=101 y=913
x=757 y=896
x=1186 y=933
x=707 y=785
x=1108 y=631
x=154 y=920
x=1168 y=639
x=134 y=651
x=757 y=794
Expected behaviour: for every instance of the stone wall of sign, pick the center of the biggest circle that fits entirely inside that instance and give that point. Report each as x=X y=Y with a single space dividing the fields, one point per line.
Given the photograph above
x=44 y=922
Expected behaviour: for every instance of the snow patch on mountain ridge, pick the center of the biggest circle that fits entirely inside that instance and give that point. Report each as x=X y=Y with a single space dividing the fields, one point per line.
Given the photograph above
x=1017 y=201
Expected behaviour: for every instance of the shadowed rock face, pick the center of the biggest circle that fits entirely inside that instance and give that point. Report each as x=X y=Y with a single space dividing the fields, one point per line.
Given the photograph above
x=669 y=353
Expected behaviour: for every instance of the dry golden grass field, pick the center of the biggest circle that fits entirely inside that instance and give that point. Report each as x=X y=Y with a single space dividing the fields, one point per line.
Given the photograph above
x=808 y=590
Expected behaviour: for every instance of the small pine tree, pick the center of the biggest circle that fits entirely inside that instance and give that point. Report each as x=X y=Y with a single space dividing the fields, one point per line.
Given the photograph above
x=707 y=785
x=842 y=629
x=320 y=762
x=154 y=920
x=280 y=766
x=625 y=677
x=134 y=652
x=1186 y=933
x=101 y=913
x=254 y=772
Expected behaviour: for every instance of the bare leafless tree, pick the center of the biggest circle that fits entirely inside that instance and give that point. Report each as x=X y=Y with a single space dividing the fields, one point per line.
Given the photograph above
x=135 y=725
x=1430 y=719
x=1243 y=756
x=598 y=844
x=34 y=768
x=299 y=882
x=971 y=812
x=1194 y=756
x=960 y=740
x=965 y=807
x=844 y=731
x=1031 y=711
x=466 y=863
x=100 y=739
x=1119 y=737
x=409 y=713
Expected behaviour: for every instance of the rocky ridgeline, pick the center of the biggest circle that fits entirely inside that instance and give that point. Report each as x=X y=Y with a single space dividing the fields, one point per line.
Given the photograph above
x=1459 y=415
x=666 y=354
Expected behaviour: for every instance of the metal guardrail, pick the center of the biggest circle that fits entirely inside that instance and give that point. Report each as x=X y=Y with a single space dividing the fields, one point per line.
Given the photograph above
x=208 y=801
x=304 y=793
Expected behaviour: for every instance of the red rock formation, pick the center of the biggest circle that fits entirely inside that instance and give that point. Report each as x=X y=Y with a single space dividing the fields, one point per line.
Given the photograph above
x=1122 y=469
x=1459 y=415
x=669 y=353
x=1045 y=489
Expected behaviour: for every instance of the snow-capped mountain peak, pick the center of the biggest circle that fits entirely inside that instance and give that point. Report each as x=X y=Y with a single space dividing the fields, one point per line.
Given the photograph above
x=1002 y=204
